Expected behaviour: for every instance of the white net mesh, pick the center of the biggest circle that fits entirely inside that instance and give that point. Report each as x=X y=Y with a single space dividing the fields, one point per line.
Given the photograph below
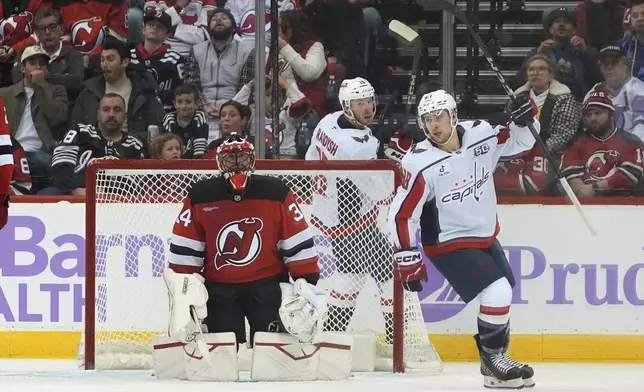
x=347 y=210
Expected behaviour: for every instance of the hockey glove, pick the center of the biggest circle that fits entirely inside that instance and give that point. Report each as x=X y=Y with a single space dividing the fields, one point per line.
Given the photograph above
x=398 y=146
x=410 y=270
x=4 y=210
x=522 y=111
x=303 y=309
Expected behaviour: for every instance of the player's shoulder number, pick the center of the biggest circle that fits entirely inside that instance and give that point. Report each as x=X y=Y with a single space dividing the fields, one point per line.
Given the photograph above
x=295 y=210
x=185 y=217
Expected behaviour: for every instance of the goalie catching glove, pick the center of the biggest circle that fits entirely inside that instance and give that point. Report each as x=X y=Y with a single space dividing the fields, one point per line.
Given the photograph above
x=410 y=270
x=188 y=296
x=303 y=309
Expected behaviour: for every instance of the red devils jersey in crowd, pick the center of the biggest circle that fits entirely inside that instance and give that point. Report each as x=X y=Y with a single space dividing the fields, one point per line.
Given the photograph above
x=618 y=160
x=524 y=174
x=244 y=13
x=237 y=239
x=87 y=23
x=21 y=178
x=17 y=23
x=191 y=14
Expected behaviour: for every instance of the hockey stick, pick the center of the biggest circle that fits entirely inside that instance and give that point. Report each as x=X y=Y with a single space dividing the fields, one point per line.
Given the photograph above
x=412 y=38
x=452 y=9
x=201 y=340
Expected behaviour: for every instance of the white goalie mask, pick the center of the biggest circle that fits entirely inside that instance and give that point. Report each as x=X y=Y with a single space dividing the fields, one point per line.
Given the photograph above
x=354 y=89
x=433 y=104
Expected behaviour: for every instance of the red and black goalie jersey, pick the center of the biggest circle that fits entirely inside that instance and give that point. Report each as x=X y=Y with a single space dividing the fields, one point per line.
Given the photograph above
x=617 y=159
x=239 y=239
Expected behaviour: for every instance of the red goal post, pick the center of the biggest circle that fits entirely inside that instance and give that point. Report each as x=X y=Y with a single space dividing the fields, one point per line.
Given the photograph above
x=131 y=204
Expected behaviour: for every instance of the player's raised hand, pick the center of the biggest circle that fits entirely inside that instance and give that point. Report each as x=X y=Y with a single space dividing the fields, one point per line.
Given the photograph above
x=398 y=146
x=522 y=110
x=410 y=270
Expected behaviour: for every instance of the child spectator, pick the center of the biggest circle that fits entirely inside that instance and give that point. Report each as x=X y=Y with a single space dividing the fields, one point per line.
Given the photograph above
x=187 y=122
x=234 y=117
x=166 y=146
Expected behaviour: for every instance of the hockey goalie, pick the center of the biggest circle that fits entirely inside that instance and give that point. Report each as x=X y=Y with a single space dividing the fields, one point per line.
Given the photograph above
x=241 y=249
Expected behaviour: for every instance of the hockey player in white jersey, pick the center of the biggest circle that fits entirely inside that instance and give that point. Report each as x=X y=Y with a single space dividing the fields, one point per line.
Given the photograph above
x=447 y=195
x=346 y=209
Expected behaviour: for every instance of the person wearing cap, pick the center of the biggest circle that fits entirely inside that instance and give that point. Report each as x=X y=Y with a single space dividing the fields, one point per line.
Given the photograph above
x=65 y=65
x=576 y=62
x=633 y=41
x=626 y=91
x=156 y=56
x=219 y=67
x=37 y=112
x=604 y=160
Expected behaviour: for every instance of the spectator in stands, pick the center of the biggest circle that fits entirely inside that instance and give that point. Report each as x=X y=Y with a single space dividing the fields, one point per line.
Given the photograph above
x=524 y=174
x=187 y=122
x=234 y=117
x=304 y=54
x=559 y=113
x=65 y=65
x=600 y=22
x=154 y=55
x=189 y=21
x=37 y=112
x=576 y=62
x=633 y=41
x=21 y=177
x=626 y=91
x=604 y=161
x=104 y=139
x=137 y=89
x=166 y=146
x=294 y=107
x=244 y=13
x=219 y=67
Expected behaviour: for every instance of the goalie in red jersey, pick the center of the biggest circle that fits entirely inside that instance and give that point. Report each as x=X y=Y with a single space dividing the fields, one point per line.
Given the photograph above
x=236 y=241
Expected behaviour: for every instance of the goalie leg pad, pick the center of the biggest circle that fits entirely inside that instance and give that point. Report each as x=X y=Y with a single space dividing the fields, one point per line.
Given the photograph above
x=223 y=355
x=168 y=358
x=281 y=357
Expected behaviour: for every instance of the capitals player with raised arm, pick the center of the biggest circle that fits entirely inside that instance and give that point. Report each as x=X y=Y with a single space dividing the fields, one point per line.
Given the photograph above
x=447 y=194
x=236 y=241
x=346 y=208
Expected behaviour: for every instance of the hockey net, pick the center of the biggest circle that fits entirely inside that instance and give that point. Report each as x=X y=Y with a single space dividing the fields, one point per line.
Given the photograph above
x=131 y=209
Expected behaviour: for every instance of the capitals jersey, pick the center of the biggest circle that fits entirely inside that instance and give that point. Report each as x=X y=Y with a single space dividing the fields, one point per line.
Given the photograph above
x=244 y=13
x=6 y=156
x=617 y=160
x=83 y=144
x=242 y=238
x=344 y=203
x=450 y=197
x=167 y=67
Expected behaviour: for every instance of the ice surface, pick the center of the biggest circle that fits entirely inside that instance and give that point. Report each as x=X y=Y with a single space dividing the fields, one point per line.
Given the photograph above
x=52 y=376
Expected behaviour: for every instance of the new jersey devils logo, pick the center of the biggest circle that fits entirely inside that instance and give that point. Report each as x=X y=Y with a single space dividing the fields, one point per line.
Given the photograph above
x=87 y=34
x=16 y=28
x=239 y=243
x=601 y=165
x=248 y=23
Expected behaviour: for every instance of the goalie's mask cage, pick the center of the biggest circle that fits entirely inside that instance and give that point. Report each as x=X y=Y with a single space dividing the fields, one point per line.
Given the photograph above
x=236 y=161
x=132 y=206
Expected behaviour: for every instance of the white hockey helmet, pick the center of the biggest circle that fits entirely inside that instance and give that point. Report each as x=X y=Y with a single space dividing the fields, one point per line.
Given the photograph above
x=434 y=103
x=352 y=89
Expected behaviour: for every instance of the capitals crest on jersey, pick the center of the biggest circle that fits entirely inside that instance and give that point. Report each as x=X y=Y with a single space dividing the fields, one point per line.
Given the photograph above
x=16 y=28
x=87 y=34
x=601 y=165
x=239 y=243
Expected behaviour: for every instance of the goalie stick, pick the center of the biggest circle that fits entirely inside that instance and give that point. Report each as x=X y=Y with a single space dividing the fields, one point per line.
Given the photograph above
x=412 y=38
x=452 y=9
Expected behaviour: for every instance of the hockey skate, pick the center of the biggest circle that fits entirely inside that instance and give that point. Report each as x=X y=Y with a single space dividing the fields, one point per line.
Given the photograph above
x=499 y=371
x=526 y=371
